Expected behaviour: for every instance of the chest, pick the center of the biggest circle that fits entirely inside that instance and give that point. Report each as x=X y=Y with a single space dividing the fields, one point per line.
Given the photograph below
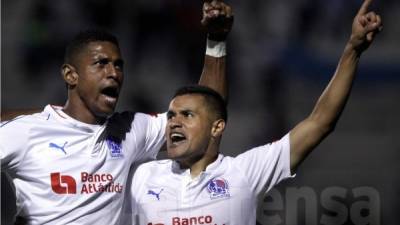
x=74 y=161
x=209 y=200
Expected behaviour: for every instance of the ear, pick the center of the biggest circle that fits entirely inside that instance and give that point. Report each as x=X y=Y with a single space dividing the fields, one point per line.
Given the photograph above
x=218 y=128
x=69 y=74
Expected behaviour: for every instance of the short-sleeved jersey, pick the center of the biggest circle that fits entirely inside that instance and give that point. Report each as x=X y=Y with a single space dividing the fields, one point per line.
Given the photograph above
x=68 y=172
x=225 y=193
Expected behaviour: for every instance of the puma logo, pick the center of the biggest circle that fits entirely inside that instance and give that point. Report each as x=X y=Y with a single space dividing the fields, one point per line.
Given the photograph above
x=151 y=192
x=52 y=145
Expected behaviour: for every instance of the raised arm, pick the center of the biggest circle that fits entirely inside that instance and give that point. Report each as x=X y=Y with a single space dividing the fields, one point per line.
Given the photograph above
x=322 y=120
x=218 y=20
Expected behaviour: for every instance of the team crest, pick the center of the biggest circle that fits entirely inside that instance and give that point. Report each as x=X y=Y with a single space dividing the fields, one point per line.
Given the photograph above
x=218 y=188
x=115 y=147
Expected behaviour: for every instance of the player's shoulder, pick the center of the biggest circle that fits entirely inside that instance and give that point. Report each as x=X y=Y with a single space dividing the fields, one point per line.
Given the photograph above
x=143 y=121
x=154 y=167
x=24 y=121
x=134 y=117
x=225 y=159
x=125 y=120
x=149 y=116
x=227 y=162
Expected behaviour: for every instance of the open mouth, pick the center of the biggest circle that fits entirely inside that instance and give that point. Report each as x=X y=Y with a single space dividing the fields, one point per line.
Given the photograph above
x=177 y=137
x=111 y=92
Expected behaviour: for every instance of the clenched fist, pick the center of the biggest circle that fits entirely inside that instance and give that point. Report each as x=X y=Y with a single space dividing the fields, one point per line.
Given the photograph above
x=217 y=19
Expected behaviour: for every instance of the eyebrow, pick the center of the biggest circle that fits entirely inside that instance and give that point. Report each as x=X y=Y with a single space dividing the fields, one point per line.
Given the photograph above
x=186 y=111
x=170 y=111
x=118 y=61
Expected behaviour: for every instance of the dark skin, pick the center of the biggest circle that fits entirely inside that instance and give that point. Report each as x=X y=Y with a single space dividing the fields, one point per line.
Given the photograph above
x=218 y=20
x=94 y=82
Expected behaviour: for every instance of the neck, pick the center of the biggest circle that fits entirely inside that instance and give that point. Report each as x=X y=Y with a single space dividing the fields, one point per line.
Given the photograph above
x=85 y=116
x=199 y=164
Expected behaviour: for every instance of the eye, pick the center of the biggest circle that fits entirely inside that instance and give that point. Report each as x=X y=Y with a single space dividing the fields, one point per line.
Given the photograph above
x=102 y=62
x=170 y=115
x=119 y=64
x=187 y=114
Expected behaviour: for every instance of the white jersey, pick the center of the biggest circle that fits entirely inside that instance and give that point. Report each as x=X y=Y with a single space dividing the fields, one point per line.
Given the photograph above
x=68 y=172
x=225 y=193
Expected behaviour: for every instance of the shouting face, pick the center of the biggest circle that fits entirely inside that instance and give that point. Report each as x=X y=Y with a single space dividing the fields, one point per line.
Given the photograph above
x=189 y=128
x=94 y=81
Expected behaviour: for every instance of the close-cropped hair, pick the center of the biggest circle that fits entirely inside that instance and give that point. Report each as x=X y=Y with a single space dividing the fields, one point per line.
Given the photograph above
x=214 y=100
x=83 y=38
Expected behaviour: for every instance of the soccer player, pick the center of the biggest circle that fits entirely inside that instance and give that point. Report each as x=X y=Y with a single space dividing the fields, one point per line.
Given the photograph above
x=70 y=164
x=198 y=185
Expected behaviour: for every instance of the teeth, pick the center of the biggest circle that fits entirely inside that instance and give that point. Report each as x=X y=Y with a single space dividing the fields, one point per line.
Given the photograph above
x=177 y=135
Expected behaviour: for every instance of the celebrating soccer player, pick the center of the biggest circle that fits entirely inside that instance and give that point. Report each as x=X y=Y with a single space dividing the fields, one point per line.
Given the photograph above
x=198 y=185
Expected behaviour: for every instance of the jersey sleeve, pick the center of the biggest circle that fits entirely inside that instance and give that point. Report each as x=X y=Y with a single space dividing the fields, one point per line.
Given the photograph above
x=140 y=176
x=265 y=166
x=153 y=129
x=13 y=141
x=130 y=206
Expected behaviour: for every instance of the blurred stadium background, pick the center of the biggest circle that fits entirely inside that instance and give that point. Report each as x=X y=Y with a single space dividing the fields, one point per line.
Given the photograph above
x=281 y=55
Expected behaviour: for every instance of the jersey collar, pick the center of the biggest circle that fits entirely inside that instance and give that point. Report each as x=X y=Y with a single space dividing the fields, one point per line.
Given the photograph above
x=209 y=169
x=57 y=114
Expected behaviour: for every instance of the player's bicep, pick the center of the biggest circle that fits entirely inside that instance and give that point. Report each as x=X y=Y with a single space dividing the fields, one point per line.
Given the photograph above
x=303 y=139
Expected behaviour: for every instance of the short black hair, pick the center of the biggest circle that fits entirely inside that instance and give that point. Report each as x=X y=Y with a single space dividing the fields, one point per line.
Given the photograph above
x=85 y=37
x=214 y=100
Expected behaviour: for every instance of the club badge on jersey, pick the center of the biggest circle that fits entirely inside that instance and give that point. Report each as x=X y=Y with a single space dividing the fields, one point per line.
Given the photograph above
x=115 y=147
x=218 y=188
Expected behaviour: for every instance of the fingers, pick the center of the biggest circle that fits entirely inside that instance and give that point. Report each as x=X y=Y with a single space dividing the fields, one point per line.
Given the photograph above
x=371 y=22
x=214 y=9
x=366 y=25
x=364 y=7
x=371 y=17
x=370 y=36
x=363 y=20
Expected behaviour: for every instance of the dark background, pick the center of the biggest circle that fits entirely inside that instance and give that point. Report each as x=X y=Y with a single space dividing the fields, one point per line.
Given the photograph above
x=281 y=55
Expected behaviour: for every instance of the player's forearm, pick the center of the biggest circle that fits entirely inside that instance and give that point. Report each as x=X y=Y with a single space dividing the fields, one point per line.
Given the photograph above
x=218 y=21
x=214 y=75
x=333 y=100
x=310 y=132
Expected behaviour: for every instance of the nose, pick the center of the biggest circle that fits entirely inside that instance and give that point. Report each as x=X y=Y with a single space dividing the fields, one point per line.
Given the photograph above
x=174 y=122
x=111 y=70
x=114 y=72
